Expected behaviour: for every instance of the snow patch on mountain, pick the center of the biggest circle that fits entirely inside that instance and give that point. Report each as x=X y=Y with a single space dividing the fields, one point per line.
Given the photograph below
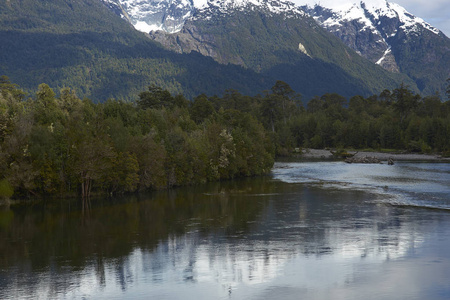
x=200 y=3
x=171 y=15
x=150 y=15
x=145 y=27
x=371 y=13
x=213 y=7
x=410 y=21
x=371 y=27
x=385 y=54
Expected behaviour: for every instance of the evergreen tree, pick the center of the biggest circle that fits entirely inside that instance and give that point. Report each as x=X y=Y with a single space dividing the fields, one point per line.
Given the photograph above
x=157 y=98
x=201 y=109
x=404 y=101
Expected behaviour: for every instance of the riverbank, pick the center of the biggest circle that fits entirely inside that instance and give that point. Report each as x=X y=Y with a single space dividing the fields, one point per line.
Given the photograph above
x=326 y=154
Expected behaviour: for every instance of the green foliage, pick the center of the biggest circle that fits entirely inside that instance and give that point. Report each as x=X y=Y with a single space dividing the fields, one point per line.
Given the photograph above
x=83 y=45
x=67 y=146
x=10 y=89
x=6 y=190
x=397 y=120
x=429 y=70
x=124 y=173
x=201 y=109
x=155 y=97
x=404 y=101
x=270 y=46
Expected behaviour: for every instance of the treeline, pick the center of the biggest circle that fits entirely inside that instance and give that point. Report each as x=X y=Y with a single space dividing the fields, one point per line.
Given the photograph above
x=397 y=119
x=62 y=145
x=394 y=120
x=67 y=146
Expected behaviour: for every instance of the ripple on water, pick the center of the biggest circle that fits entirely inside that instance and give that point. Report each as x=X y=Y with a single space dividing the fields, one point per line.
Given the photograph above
x=407 y=184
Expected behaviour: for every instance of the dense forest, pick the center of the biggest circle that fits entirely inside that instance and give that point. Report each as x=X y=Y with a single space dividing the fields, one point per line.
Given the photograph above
x=270 y=46
x=83 y=45
x=61 y=145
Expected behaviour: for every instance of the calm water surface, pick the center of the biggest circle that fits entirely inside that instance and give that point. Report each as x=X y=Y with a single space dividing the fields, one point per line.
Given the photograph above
x=322 y=230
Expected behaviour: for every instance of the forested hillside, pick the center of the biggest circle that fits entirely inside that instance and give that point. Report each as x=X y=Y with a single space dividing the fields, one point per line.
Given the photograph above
x=83 y=45
x=61 y=145
x=293 y=49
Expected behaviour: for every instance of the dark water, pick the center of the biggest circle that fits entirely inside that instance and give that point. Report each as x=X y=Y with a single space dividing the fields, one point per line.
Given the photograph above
x=309 y=231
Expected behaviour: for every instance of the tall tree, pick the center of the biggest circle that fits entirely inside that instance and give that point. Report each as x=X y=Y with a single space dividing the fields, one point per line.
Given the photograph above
x=404 y=101
x=6 y=87
x=156 y=97
x=47 y=110
x=289 y=99
x=201 y=109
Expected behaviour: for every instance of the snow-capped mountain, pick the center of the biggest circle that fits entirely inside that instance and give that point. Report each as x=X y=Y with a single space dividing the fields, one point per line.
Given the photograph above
x=380 y=31
x=170 y=15
x=388 y=35
x=214 y=7
x=275 y=38
x=371 y=27
x=152 y=15
x=371 y=13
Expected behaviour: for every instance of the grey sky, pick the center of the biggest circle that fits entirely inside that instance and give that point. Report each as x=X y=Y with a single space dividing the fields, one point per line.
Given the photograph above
x=435 y=12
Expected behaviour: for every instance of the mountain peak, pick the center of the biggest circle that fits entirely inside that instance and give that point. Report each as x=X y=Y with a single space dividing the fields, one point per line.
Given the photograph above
x=371 y=13
x=389 y=36
x=170 y=15
x=380 y=31
x=152 y=15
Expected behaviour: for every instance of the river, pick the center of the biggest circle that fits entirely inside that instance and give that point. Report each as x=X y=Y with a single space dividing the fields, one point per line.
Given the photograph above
x=309 y=230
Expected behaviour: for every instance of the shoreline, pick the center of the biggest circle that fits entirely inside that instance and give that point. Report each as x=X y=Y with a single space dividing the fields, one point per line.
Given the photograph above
x=326 y=154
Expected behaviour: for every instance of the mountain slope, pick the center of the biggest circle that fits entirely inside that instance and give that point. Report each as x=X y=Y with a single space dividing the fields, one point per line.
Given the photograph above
x=383 y=32
x=386 y=34
x=81 y=44
x=276 y=39
x=153 y=14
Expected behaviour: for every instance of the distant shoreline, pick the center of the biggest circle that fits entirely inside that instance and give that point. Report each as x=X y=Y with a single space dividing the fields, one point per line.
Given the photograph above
x=326 y=154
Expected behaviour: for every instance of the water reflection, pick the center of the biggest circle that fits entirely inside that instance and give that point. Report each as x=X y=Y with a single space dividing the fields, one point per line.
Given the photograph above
x=415 y=184
x=251 y=239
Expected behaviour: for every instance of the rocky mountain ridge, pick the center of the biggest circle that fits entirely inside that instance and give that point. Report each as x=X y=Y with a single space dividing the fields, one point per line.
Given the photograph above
x=191 y=37
x=380 y=31
x=170 y=15
x=84 y=46
x=387 y=35
x=371 y=28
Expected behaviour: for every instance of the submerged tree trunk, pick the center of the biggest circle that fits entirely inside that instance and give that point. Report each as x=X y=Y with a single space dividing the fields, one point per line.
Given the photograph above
x=86 y=186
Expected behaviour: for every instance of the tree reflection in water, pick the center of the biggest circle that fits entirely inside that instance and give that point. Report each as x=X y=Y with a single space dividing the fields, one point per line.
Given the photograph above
x=229 y=239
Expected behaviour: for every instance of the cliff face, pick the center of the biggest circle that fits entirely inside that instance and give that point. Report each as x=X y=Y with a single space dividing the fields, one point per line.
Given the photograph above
x=228 y=31
x=288 y=46
x=387 y=35
x=366 y=34
x=368 y=43
x=189 y=39
x=148 y=15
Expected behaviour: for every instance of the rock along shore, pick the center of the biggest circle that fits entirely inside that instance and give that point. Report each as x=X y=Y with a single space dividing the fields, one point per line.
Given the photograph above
x=375 y=156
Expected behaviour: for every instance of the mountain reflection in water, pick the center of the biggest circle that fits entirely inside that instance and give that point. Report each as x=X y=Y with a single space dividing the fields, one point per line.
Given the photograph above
x=274 y=237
